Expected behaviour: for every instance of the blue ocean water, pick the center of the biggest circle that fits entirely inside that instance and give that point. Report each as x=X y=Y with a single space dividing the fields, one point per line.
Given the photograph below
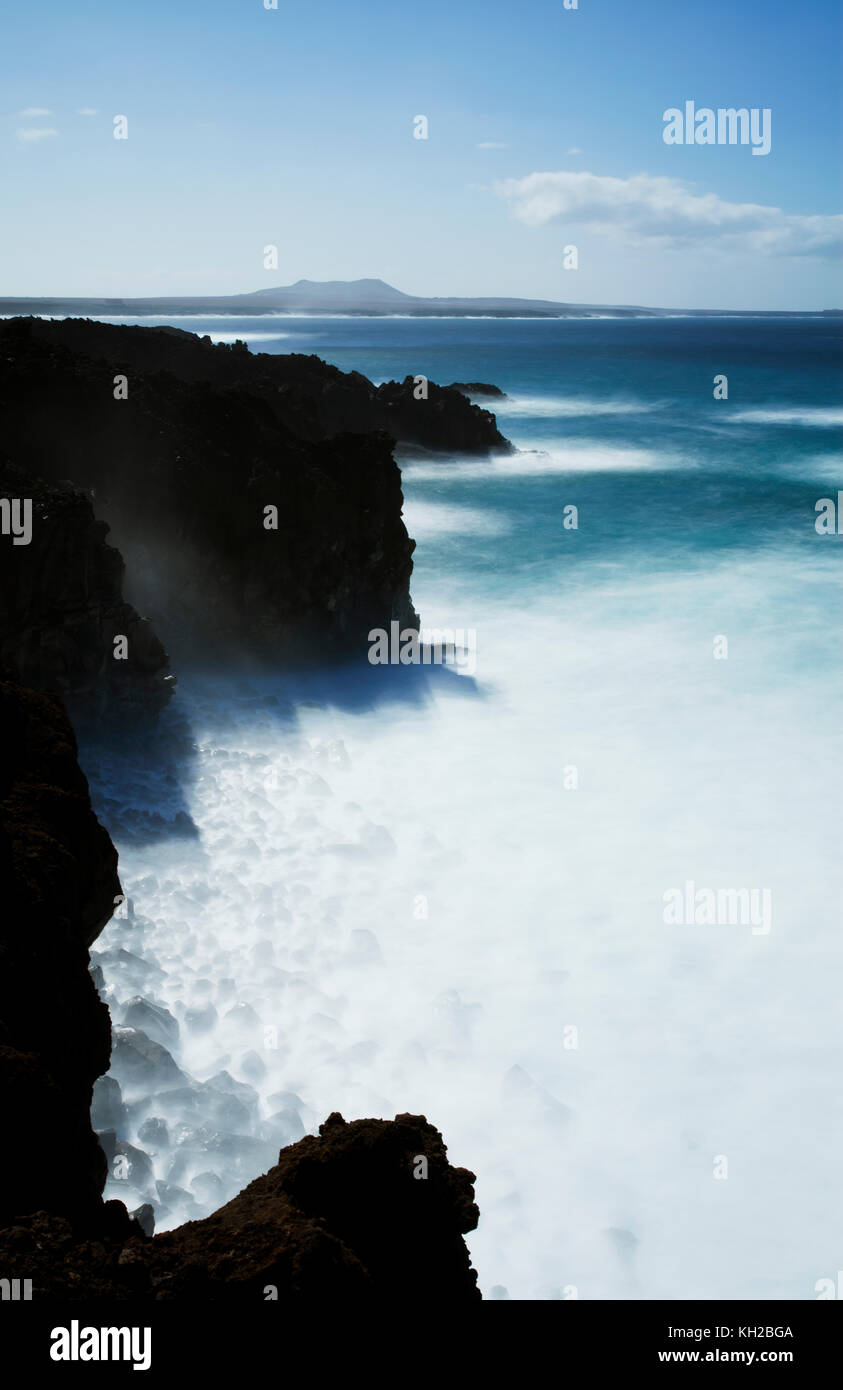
x=623 y=412
x=451 y=899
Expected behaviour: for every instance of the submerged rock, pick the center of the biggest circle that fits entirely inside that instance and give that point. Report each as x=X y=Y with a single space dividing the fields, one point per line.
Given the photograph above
x=153 y=1019
x=200 y=1020
x=126 y=1163
x=142 y=1065
x=283 y=1127
x=145 y=1217
x=253 y=1066
x=154 y=1132
x=107 y=1108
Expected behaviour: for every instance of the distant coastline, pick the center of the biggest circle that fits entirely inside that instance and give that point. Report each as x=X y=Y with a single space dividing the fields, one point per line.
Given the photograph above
x=359 y=299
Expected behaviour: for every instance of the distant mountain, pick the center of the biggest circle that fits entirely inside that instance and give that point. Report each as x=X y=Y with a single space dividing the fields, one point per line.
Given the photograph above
x=332 y=296
x=364 y=297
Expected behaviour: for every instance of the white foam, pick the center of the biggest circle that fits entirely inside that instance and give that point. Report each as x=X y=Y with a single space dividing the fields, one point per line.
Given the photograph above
x=440 y=518
x=826 y=468
x=566 y=406
x=576 y=456
x=407 y=892
x=818 y=416
x=246 y=335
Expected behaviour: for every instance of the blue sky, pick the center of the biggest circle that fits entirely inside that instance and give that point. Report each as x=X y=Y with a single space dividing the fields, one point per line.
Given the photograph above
x=294 y=127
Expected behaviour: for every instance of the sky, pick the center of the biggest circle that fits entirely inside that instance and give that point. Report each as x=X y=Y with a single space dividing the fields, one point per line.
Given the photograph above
x=294 y=127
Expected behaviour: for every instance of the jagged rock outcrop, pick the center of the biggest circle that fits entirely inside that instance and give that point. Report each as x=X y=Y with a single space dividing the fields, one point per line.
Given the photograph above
x=58 y=871
x=478 y=388
x=309 y=397
x=444 y=420
x=185 y=469
x=341 y=1215
x=62 y=606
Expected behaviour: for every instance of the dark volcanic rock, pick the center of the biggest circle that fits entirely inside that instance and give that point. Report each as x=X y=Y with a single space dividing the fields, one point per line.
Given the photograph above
x=445 y=421
x=310 y=398
x=187 y=466
x=145 y=1217
x=340 y=1215
x=63 y=606
x=58 y=870
x=478 y=388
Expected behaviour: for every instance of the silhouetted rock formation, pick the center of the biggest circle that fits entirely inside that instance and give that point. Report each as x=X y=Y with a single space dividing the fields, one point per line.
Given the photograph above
x=185 y=468
x=340 y=1215
x=312 y=399
x=61 y=607
x=478 y=388
x=58 y=870
x=443 y=421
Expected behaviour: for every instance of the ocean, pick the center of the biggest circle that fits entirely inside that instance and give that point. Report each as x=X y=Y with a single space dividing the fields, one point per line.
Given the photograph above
x=388 y=889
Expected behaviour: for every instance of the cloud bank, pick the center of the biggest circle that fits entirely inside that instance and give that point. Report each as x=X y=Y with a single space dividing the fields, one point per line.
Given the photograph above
x=665 y=213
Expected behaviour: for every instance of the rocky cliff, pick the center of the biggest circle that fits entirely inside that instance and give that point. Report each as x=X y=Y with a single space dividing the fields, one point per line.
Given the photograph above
x=64 y=624
x=187 y=468
x=239 y=533
x=58 y=870
x=310 y=398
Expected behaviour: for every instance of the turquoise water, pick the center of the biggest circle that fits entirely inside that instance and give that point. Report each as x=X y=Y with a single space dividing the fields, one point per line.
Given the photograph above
x=450 y=897
x=624 y=410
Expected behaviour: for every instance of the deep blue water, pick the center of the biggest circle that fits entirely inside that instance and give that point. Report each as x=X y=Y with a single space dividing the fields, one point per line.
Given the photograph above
x=623 y=416
x=663 y=474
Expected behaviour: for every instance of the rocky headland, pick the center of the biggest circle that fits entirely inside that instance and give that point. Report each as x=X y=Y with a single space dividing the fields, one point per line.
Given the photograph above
x=255 y=498
x=204 y=440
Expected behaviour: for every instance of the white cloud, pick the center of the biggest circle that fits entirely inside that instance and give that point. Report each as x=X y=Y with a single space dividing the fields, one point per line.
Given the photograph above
x=87 y=111
x=574 y=150
x=36 y=111
x=35 y=133
x=662 y=212
x=492 y=145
